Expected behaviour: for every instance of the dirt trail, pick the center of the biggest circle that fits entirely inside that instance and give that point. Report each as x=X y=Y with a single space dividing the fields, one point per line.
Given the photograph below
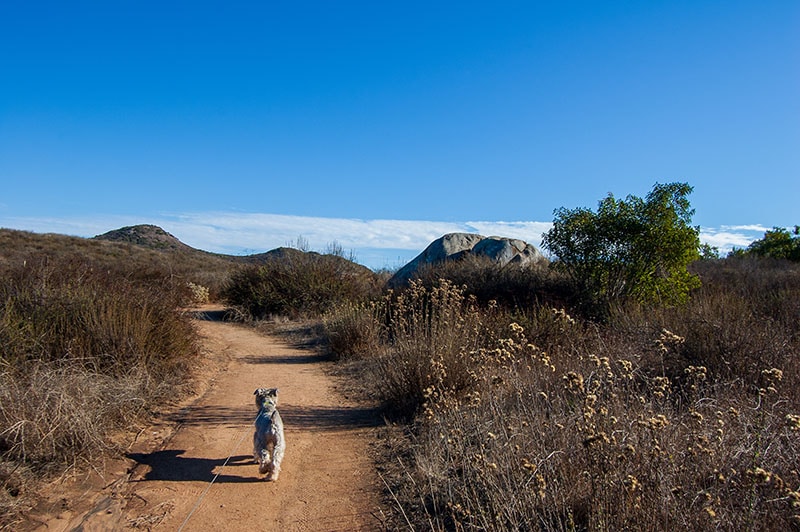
x=327 y=479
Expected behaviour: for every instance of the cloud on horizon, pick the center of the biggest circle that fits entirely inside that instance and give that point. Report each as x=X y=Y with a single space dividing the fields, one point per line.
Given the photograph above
x=375 y=243
x=727 y=237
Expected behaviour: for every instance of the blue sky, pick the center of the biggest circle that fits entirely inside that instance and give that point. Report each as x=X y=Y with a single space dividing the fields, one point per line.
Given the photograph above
x=241 y=126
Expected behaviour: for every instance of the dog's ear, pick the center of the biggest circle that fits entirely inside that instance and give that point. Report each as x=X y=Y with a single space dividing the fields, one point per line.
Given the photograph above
x=274 y=392
x=258 y=391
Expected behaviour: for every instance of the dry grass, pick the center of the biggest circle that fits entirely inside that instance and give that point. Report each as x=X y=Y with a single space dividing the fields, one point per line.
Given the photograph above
x=297 y=284
x=655 y=419
x=509 y=286
x=88 y=347
x=173 y=268
x=355 y=330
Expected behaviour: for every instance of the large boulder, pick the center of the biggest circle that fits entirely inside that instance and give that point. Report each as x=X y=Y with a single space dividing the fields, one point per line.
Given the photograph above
x=454 y=246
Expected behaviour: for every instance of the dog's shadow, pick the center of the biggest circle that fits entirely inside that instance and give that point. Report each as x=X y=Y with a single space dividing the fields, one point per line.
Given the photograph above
x=171 y=465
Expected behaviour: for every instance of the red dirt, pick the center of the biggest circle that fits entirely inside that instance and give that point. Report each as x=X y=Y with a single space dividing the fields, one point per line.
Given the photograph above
x=195 y=469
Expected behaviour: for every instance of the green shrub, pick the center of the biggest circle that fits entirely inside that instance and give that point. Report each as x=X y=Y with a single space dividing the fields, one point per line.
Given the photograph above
x=777 y=243
x=629 y=249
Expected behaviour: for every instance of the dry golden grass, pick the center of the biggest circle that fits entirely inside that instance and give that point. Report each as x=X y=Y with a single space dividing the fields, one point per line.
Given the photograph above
x=654 y=419
x=91 y=341
x=92 y=338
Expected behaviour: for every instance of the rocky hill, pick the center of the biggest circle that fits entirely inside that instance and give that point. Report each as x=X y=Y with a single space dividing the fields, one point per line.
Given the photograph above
x=149 y=236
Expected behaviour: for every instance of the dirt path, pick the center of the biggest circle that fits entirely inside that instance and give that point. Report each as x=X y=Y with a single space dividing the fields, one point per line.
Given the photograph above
x=327 y=479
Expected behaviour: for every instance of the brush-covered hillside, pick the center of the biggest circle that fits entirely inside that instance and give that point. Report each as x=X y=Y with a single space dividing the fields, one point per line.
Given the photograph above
x=148 y=251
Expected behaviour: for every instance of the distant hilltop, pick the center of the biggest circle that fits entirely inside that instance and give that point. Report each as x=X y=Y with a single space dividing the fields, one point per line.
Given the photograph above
x=145 y=235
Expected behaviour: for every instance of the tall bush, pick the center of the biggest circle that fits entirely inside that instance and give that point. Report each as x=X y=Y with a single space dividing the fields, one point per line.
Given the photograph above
x=630 y=249
x=417 y=344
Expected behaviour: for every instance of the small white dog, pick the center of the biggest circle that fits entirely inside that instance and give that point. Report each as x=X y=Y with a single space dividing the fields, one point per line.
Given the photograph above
x=268 y=441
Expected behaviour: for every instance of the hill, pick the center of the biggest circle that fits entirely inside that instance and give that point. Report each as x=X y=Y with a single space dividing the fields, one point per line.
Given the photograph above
x=150 y=236
x=144 y=251
x=155 y=238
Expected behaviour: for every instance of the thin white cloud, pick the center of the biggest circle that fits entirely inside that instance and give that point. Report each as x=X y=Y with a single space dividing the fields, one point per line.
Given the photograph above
x=749 y=228
x=728 y=237
x=375 y=243
x=267 y=231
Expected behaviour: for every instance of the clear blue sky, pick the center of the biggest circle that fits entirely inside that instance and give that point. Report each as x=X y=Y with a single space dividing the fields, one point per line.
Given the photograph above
x=450 y=112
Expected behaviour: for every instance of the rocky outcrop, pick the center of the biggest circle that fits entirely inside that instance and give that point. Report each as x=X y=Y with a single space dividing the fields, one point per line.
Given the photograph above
x=455 y=246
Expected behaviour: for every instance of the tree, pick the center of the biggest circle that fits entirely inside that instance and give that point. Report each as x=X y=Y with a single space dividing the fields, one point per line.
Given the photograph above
x=777 y=243
x=708 y=252
x=630 y=249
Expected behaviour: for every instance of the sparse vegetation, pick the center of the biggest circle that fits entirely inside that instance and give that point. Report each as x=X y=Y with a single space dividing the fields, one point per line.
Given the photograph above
x=139 y=263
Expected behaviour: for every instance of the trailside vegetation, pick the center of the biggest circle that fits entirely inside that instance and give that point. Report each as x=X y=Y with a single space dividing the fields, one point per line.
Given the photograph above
x=629 y=387
x=92 y=341
x=676 y=406
x=295 y=283
x=655 y=418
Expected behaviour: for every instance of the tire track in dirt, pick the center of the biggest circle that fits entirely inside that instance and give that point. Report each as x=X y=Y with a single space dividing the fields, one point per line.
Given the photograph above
x=328 y=481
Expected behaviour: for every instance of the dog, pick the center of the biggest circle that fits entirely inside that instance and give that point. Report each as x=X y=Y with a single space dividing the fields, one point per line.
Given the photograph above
x=269 y=443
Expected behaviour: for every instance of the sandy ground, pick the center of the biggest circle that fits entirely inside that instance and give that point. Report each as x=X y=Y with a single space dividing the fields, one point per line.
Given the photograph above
x=194 y=470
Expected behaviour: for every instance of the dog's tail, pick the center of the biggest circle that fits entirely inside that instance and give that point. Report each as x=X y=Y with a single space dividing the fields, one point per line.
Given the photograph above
x=264 y=462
